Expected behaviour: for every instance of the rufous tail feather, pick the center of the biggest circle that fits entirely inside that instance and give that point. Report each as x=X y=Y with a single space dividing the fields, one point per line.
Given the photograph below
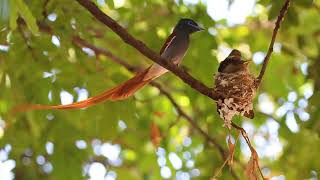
x=122 y=91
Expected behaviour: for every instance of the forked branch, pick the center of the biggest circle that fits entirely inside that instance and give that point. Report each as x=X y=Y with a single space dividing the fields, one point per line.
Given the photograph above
x=186 y=77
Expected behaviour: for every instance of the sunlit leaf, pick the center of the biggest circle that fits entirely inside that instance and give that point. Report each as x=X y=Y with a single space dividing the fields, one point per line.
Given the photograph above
x=26 y=14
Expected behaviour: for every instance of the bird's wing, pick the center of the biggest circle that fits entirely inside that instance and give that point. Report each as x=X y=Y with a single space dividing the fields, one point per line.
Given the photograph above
x=156 y=70
x=168 y=42
x=228 y=60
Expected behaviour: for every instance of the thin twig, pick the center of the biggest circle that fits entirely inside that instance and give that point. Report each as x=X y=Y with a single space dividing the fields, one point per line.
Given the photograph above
x=189 y=119
x=81 y=42
x=252 y=149
x=44 y=8
x=178 y=118
x=281 y=15
x=220 y=169
x=230 y=157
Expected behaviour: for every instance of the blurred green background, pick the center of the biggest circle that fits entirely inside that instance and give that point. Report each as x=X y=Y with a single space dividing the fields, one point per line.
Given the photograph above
x=112 y=140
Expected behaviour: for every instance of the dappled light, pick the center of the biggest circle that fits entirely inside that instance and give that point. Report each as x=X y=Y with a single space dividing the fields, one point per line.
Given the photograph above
x=58 y=52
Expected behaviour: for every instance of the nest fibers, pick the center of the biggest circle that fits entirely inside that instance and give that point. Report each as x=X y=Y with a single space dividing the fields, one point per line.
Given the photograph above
x=236 y=92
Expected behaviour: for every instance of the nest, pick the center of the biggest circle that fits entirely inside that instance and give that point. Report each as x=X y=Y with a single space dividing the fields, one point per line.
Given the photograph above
x=236 y=92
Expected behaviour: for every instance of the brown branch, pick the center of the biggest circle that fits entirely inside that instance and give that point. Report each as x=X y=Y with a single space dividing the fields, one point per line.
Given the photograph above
x=82 y=43
x=189 y=119
x=244 y=134
x=143 y=49
x=44 y=8
x=281 y=15
x=187 y=78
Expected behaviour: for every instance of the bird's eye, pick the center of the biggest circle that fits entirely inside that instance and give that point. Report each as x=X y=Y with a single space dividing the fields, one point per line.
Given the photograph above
x=191 y=23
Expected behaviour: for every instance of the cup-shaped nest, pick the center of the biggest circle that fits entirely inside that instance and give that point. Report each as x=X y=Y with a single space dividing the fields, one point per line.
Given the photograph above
x=236 y=92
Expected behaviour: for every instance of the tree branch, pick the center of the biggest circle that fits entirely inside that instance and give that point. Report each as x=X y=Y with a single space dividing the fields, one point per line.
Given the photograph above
x=82 y=43
x=254 y=153
x=26 y=41
x=189 y=119
x=187 y=78
x=281 y=15
x=44 y=8
x=200 y=87
x=143 y=49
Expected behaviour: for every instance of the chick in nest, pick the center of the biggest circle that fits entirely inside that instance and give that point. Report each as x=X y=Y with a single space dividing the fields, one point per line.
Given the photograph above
x=236 y=88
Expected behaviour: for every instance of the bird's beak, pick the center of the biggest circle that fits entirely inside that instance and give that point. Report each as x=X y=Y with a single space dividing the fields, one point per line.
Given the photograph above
x=200 y=28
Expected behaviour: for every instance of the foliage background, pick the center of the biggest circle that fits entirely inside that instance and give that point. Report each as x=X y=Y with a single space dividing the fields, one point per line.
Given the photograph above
x=113 y=139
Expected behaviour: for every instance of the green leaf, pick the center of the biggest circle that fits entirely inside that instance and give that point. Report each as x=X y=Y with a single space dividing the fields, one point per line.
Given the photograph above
x=13 y=16
x=26 y=15
x=25 y=60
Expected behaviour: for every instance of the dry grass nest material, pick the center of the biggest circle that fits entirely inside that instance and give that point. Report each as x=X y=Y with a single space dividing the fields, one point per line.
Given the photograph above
x=236 y=92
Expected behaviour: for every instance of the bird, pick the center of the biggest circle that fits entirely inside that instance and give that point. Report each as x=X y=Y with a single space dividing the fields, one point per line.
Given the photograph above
x=174 y=49
x=233 y=63
x=236 y=88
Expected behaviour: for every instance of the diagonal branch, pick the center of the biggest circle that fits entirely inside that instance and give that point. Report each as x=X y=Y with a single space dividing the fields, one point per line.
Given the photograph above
x=189 y=119
x=187 y=78
x=82 y=43
x=143 y=49
x=281 y=15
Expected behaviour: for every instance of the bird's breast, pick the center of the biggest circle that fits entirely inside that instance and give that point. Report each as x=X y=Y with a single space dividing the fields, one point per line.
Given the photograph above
x=175 y=52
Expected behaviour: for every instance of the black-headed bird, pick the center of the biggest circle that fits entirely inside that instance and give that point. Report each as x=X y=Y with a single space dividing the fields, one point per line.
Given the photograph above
x=174 y=49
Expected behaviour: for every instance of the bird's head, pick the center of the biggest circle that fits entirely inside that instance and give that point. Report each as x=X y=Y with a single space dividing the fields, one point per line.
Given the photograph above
x=234 y=63
x=188 y=25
